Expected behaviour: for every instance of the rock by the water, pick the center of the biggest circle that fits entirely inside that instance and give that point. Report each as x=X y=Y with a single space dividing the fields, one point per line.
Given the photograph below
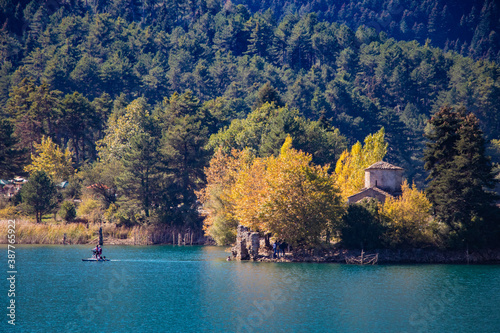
x=247 y=244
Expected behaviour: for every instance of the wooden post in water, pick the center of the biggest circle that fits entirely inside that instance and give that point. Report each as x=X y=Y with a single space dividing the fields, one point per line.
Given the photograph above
x=101 y=241
x=467 y=253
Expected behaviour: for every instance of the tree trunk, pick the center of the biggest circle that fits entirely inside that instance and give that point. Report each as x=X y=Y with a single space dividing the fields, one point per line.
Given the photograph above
x=101 y=241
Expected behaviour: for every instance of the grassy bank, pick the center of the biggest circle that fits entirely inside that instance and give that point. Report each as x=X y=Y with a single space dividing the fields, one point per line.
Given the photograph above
x=28 y=232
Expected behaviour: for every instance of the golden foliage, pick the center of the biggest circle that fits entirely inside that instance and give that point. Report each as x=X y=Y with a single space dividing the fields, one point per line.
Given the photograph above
x=91 y=209
x=349 y=170
x=221 y=174
x=302 y=200
x=286 y=195
x=409 y=217
x=52 y=160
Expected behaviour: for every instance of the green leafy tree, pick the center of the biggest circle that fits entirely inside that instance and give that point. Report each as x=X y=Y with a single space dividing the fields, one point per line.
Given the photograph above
x=85 y=75
x=268 y=94
x=67 y=211
x=123 y=171
x=362 y=225
x=38 y=194
x=282 y=33
x=103 y=106
x=260 y=35
x=35 y=110
x=122 y=126
x=300 y=49
x=266 y=128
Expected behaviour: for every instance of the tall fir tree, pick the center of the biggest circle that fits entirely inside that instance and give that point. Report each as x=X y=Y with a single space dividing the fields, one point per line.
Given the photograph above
x=460 y=175
x=186 y=128
x=10 y=156
x=140 y=181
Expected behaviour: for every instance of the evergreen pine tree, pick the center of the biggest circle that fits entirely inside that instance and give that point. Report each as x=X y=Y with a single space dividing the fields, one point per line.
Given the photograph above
x=140 y=181
x=38 y=194
x=186 y=128
x=460 y=175
x=10 y=156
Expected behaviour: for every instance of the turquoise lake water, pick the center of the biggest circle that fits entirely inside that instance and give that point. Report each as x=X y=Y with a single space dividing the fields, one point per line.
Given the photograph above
x=194 y=289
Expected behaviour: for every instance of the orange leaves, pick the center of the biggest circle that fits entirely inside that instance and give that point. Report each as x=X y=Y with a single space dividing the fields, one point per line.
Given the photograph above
x=287 y=195
x=216 y=199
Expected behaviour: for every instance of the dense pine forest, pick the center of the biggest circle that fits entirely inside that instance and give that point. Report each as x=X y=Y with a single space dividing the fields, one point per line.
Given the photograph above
x=135 y=97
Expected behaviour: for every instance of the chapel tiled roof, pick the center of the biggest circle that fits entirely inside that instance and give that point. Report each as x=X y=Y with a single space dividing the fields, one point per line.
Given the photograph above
x=383 y=166
x=376 y=189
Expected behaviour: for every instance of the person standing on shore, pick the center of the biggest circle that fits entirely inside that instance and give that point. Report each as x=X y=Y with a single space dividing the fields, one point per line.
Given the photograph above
x=283 y=246
x=275 y=248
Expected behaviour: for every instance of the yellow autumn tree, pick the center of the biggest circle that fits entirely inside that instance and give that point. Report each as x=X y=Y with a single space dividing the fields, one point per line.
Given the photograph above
x=249 y=194
x=349 y=170
x=221 y=174
x=49 y=157
x=409 y=218
x=303 y=202
x=288 y=197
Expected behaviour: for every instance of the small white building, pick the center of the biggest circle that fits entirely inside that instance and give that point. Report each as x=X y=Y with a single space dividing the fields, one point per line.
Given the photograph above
x=382 y=180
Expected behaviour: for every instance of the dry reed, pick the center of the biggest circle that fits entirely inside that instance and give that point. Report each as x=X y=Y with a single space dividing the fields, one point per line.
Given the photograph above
x=28 y=232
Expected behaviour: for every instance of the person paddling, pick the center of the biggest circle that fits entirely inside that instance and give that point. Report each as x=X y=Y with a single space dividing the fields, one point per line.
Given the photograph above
x=97 y=252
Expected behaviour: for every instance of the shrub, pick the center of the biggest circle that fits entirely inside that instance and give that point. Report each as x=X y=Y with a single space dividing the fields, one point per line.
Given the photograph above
x=409 y=219
x=8 y=212
x=362 y=225
x=91 y=209
x=67 y=211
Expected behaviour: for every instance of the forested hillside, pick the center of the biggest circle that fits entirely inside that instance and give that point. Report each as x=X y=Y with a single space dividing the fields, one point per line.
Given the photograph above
x=92 y=74
x=468 y=27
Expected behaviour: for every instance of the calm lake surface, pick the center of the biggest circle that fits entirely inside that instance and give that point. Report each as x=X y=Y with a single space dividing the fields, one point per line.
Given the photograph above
x=194 y=289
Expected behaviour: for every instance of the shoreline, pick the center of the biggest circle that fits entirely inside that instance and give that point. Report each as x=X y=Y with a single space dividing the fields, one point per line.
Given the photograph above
x=251 y=246
x=389 y=256
x=29 y=233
